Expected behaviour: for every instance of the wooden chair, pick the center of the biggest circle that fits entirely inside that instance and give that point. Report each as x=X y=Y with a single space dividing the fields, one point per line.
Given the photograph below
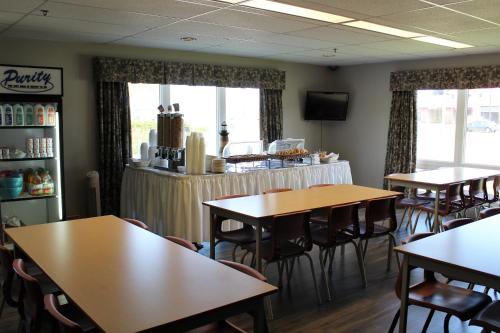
x=320 y=215
x=321 y=185
x=10 y=287
x=438 y=296
x=68 y=318
x=488 y=318
x=182 y=242
x=489 y=212
x=379 y=210
x=476 y=196
x=494 y=196
x=454 y=202
x=327 y=237
x=452 y=224
x=136 y=223
x=282 y=248
x=410 y=203
x=238 y=237
x=277 y=190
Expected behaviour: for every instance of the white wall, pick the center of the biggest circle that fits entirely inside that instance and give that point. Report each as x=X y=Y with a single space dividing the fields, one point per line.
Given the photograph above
x=80 y=136
x=362 y=139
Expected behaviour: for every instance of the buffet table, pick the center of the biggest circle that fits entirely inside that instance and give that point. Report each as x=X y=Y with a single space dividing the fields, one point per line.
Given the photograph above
x=171 y=203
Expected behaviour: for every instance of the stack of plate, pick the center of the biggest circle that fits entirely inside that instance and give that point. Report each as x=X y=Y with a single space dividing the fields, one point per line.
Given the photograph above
x=219 y=165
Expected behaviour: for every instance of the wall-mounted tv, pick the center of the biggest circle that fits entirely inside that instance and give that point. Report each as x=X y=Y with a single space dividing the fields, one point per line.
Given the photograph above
x=324 y=105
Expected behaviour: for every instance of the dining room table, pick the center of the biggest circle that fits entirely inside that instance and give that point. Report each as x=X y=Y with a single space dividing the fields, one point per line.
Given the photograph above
x=127 y=279
x=468 y=253
x=258 y=210
x=438 y=180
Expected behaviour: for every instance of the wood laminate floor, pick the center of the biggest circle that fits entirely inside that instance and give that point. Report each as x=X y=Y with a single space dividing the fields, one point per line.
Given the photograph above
x=353 y=309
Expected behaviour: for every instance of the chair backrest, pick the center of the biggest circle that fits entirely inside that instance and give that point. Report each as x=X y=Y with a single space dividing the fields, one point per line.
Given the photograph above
x=220 y=220
x=244 y=269
x=287 y=227
x=489 y=212
x=454 y=197
x=182 y=242
x=340 y=217
x=321 y=185
x=65 y=324
x=277 y=190
x=477 y=189
x=496 y=188
x=380 y=210
x=429 y=275
x=136 y=223
x=31 y=296
x=7 y=275
x=452 y=224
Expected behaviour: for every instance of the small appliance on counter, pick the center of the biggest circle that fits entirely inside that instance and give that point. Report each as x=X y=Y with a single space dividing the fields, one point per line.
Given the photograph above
x=170 y=153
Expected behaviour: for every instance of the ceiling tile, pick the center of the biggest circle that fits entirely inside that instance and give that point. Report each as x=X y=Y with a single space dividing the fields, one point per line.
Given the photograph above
x=20 y=6
x=479 y=37
x=308 y=43
x=260 y=20
x=60 y=35
x=168 y=43
x=485 y=9
x=10 y=18
x=343 y=35
x=93 y=14
x=169 y=8
x=34 y=22
x=437 y=20
x=444 y=2
x=406 y=46
x=252 y=48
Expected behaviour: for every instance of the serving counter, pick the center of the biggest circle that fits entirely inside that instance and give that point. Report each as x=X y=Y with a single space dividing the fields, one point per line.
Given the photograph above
x=171 y=203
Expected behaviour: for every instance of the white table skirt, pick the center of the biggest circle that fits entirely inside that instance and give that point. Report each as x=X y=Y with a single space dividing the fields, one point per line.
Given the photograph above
x=171 y=203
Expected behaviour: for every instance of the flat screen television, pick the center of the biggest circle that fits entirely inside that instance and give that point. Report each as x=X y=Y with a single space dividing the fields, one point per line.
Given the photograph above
x=324 y=105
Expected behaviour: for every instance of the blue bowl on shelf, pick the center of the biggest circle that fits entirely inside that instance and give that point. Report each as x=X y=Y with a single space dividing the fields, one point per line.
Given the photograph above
x=10 y=192
x=11 y=182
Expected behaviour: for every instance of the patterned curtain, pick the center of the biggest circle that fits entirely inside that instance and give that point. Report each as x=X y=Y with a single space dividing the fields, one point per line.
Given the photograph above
x=271 y=115
x=401 y=153
x=113 y=112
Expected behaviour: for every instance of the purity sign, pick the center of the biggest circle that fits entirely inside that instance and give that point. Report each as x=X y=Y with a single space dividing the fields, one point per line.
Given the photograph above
x=30 y=80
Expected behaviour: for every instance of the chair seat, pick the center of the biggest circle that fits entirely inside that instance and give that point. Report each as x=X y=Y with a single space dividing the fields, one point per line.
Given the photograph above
x=378 y=230
x=411 y=202
x=241 y=236
x=460 y=302
x=488 y=318
x=320 y=237
x=492 y=198
x=220 y=327
x=454 y=207
x=431 y=195
x=287 y=249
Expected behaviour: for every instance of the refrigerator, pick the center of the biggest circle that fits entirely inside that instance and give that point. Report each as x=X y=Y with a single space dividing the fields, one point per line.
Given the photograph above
x=31 y=146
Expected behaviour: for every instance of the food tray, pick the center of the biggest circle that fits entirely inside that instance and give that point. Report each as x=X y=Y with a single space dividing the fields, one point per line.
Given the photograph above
x=288 y=157
x=246 y=158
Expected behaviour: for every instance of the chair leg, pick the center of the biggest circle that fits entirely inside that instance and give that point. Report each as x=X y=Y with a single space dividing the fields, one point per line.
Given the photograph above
x=447 y=323
x=410 y=219
x=392 y=244
x=412 y=230
x=361 y=264
x=243 y=257
x=394 y=322
x=234 y=252
x=403 y=218
x=323 y=274
x=365 y=247
x=428 y=321
x=281 y=265
x=2 y=306
x=269 y=308
x=332 y=255
x=313 y=276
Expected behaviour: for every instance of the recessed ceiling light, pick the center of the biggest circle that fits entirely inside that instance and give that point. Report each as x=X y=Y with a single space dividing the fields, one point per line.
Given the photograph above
x=442 y=42
x=295 y=10
x=382 y=29
x=188 y=39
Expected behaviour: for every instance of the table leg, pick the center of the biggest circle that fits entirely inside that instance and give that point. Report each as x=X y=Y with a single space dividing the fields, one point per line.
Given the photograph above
x=213 y=219
x=258 y=239
x=405 y=283
x=436 y=209
x=259 y=319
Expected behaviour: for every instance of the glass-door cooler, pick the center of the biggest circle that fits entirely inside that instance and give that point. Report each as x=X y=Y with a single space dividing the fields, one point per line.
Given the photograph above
x=31 y=160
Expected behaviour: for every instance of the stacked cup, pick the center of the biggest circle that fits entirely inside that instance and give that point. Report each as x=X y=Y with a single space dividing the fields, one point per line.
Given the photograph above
x=218 y=165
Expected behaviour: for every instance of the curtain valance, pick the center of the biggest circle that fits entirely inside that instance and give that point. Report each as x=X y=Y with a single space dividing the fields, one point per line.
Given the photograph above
x=108 y=69
x=446 y=78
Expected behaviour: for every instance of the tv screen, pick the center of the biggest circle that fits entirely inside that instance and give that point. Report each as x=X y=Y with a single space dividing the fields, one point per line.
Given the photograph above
x=326 y=105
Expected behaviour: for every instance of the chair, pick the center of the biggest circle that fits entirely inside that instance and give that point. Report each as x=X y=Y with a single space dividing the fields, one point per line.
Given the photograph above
x=453 y=203
x=77 y=324
x=488 y=318
x=321 y=185
x=409 y=204
x=253 y=273
x=438 y=296
x=489 y=212
x=476 y=195
x=320 y=215
x=379 y=210
x=182 y=242
x=238 y=237
x=452 y=224
x=10 y=287
x=281 y=248
x=136 y=223
x=494 y=196
x=277 y=190
x=327 y=237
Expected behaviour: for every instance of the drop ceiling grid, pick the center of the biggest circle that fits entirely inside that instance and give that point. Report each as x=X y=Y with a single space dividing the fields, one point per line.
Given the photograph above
x=233 y=29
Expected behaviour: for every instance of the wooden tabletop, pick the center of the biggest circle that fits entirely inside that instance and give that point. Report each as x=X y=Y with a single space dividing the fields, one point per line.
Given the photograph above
x=265 y=205
x=473 y=247
x=127 y=279
x=443 y=176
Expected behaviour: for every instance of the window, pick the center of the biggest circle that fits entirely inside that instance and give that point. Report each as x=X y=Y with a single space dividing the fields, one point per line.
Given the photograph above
x=458 y=127
x=204 y=109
